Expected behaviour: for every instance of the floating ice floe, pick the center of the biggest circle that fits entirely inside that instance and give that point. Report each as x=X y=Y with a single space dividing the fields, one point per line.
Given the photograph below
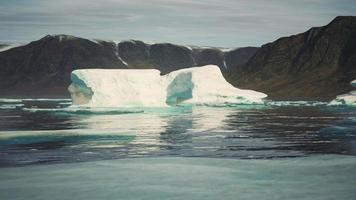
x=4 y=100
x=80 y=110
x=11 y=106
x=147 y=88
x=353 y=83
x=295 y=103
x=346 y=99
x=8 y=100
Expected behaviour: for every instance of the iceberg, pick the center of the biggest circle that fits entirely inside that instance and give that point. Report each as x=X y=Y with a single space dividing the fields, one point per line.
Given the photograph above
x=147 y=88
x=346 y=99
x=117 y=87
x=353 y=83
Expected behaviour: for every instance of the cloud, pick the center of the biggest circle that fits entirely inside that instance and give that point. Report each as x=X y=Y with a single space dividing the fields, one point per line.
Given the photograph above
x=203 y=22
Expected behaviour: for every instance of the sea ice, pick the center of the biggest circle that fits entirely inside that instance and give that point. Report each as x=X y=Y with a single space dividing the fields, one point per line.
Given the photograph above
x=353 y=83
x=346 y=99
x=147 y=88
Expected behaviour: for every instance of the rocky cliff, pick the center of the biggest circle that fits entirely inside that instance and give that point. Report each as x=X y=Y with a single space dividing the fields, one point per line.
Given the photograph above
x=318 y=64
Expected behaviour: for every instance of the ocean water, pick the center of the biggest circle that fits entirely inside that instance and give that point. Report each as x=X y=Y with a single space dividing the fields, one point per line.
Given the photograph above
x=281 y=150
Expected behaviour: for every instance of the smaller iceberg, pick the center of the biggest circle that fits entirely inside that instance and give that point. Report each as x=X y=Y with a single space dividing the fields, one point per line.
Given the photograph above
x=346 y=99
x=353 y=83
x=147 y=88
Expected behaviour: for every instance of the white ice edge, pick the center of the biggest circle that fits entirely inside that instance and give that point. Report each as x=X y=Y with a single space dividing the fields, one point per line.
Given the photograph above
x=5 y=48
x=348 y=99
x=11 y=106
x=68 y=132
x=10 y=100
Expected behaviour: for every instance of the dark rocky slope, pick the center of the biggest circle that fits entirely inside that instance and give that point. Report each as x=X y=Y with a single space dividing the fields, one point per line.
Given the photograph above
x=239 y=56
x=169 y=57
x=208 y=56
x=136 y=54
x=316 y=65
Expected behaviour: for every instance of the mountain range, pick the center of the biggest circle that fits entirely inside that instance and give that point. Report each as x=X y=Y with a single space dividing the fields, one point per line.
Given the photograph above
x=315 y=65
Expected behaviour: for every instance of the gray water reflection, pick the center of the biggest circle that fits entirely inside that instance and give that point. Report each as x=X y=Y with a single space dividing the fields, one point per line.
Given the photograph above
x=52 y=136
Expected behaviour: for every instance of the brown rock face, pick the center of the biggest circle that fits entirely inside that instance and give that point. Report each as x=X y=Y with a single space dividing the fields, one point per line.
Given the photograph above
x=316 y=65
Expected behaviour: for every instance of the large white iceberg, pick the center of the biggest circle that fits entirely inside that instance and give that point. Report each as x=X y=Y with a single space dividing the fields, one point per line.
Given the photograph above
x=147 y=88
x=346 y=99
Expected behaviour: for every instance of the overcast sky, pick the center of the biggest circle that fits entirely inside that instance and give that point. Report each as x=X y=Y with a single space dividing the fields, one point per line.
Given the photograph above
x=223 y=23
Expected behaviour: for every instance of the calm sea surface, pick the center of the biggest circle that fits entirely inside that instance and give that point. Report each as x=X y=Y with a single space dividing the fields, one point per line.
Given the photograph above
x=38 y=132
x=49 y=150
